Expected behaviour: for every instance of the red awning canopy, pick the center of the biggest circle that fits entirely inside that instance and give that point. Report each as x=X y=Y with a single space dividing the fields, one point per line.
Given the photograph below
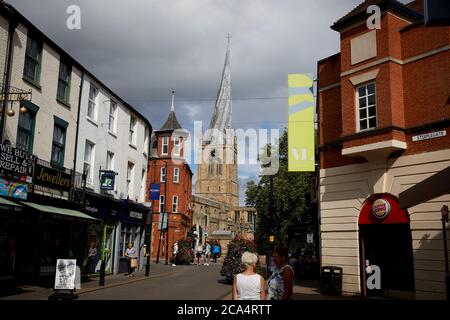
x=382 y=209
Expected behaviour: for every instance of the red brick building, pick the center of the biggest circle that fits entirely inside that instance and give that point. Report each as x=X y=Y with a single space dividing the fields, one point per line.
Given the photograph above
x=384 y=120
x=169 y=169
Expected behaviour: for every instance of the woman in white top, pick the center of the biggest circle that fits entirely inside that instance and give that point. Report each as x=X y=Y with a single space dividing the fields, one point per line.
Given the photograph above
x=249 y=285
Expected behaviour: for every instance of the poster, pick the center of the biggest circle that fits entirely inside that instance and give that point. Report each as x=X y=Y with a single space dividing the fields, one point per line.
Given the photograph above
x=66 y=270
x=13 y=189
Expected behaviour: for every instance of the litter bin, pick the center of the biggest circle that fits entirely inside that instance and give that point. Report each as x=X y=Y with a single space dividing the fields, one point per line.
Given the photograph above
x=331 y=280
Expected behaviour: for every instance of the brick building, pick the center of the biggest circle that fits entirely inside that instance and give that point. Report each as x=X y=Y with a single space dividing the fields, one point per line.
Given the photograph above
x=384 y=117
x=169 y=169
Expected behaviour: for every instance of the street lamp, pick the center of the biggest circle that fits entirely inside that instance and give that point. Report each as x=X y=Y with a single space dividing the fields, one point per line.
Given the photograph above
x=444 y=212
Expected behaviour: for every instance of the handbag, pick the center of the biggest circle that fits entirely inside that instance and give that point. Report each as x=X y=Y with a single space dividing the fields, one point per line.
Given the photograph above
x=133 y=263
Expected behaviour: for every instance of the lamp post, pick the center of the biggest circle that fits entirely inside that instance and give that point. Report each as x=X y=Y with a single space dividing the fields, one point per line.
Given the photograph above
x=444 y=212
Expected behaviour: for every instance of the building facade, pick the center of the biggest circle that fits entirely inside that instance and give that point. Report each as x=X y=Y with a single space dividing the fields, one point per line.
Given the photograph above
x=384 y=116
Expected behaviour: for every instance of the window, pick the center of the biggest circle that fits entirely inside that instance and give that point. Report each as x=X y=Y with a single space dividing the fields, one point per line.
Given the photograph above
x=109 y=161
x=112 y=117
x=65 y=72
x=210 y=168
x=25 y=131
x=162 y=176
x=219 y=167
x=132 y=138
x=165 y=146
x=176 y=175
x=236 y=216
x=176 y=146
x=92 y=105
x=58 y=146
x=175 y=204
x=146 y=137
x=130 y=173
x=143 y=184
x=366 y=106
x=162 y=200
x=88 y=162
x=250 y=217
x=33 y=58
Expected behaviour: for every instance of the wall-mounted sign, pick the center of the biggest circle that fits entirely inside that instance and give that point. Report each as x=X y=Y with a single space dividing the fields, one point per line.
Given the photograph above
x=15 y=162
x=155 y=189
x=107 y=180
x=136 y=215
x=52 y=178
x=430 y=135
x=13 y=189
x=162 y=224
x=65 y=274
x=381 y=208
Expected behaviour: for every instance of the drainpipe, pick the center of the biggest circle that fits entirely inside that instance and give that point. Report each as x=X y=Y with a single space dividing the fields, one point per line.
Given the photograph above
x=13 y=23
x=76 y=140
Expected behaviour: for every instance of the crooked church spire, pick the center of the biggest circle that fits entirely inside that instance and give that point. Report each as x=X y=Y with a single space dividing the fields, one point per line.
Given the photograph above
x=221 y=118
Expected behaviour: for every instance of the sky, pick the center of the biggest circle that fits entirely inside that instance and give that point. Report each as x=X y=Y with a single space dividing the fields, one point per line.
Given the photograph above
x=144 y=49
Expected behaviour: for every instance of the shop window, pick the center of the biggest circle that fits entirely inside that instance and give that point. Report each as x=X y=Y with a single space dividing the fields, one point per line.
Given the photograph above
x=366 y=107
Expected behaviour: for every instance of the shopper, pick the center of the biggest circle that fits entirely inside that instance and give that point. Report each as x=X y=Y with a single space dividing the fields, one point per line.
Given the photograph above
x=249 y=285
x=216 y=252
x=131 y=255
x=207 y=256
x=199 y=252
x=174 y=253
x=280 y=285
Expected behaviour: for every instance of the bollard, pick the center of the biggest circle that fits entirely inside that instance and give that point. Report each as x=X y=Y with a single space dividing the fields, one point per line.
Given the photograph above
x=102 y=274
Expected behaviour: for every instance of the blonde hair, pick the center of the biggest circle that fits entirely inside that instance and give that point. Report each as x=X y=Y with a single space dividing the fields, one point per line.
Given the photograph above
x=249 y=258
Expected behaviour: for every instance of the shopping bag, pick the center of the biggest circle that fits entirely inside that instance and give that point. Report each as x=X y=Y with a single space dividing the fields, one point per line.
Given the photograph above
x=134 y=263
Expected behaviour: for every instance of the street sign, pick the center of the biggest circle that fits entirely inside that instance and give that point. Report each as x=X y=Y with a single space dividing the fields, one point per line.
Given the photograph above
x=162 y=224
x=155 y=191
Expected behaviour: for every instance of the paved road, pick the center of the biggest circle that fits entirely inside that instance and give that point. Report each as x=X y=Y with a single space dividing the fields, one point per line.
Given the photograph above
x=187 y=283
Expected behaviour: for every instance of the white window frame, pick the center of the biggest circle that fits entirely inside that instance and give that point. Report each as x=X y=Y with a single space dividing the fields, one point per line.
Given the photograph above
x=89 y=162
x=165 y=143
x=177 y=146
x=146 y=139
x=130 y=180
x=110 y=166
x=174 y=204
x=143 y=184
x=161 y=174
x=162 y=201
x=93 y=102
x=366 y=96
x=112 y=115
x=132 y=132
x=176 y=175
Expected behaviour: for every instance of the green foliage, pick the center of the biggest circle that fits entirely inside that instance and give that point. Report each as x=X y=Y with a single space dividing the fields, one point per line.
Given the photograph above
x=291 y=200
x=185 y=252
x=232 y=263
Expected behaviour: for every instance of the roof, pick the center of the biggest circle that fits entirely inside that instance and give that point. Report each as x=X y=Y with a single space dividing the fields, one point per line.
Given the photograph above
x=360 y=12
x=171 y=123
x=10 y=13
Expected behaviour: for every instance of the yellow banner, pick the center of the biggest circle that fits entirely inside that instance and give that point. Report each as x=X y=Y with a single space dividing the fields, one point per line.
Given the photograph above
x=301 y=148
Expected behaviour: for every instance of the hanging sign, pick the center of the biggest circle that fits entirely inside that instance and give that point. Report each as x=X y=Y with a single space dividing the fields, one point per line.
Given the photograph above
x=107 y=180
x=155 y=189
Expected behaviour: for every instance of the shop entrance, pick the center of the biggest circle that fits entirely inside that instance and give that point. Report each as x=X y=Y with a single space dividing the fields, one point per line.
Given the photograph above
x=385 y=249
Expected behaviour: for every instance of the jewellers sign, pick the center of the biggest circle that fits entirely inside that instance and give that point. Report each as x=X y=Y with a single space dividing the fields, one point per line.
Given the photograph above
x=430 y=135
x=15 y=162
x=52 y=178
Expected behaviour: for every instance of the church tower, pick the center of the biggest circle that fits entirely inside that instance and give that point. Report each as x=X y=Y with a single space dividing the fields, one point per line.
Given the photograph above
x=217 y=177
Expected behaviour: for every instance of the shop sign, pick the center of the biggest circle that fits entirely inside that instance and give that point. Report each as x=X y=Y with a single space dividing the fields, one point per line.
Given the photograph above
x=107 y=180
x=430 y=135
x=13 y=189
x=136 y=215
x=52 y=178
x=65 y=274
x=15 y=162
x=154 y=191
x=381 y=208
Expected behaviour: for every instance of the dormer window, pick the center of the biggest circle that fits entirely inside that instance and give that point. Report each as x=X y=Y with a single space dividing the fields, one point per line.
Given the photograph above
x=366 y=107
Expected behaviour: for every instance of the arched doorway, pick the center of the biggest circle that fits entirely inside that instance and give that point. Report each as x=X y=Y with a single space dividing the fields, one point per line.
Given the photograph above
x=385 y=248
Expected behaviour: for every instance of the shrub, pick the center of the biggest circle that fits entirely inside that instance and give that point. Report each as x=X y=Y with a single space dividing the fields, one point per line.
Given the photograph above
x=185 y=252
x=232 y=263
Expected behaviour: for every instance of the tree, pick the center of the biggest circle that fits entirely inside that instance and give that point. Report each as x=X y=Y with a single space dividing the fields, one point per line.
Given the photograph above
x=232 y=263
x=291 y=199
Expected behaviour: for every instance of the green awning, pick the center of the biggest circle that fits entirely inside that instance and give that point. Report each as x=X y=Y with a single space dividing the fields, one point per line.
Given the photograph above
x=60 y=211
x=9 y=203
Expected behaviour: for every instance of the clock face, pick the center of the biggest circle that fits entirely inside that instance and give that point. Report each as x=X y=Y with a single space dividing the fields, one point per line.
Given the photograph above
x=213 y=153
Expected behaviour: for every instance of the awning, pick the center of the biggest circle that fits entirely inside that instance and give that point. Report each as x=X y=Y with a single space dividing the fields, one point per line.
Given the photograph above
x=430 y=188
x=59 y=211
x=8 y=204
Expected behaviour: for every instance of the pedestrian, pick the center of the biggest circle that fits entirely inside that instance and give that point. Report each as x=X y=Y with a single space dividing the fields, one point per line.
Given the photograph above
x=207 y=254
x=199 y=252
x=280 y=285
x=131 y=255
x=216 y=251
x=249 y=285
x=174 y=253
x=92 y=257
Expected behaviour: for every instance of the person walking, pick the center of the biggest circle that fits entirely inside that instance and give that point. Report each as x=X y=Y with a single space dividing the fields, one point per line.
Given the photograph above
x=216 y=252
x=280 y=285
x=174 y=253
x=199 y=252
x=249 y=285
x=207 y=256
x=131 y=255
x=92 y=257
